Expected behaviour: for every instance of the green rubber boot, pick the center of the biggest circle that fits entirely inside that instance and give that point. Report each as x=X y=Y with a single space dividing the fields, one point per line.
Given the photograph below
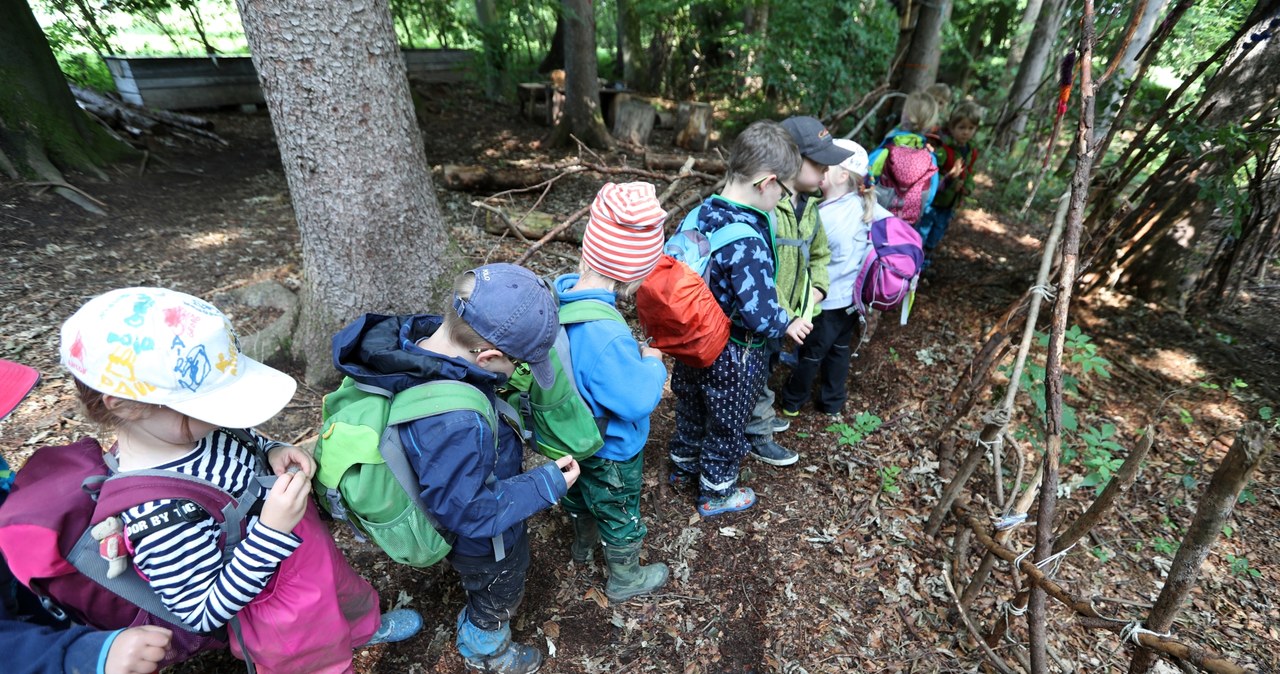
x=586 y=538
x=627 y=578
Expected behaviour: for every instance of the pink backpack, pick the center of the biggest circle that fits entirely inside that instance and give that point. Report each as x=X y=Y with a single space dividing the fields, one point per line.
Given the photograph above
x=891 y=268
x=904 y=179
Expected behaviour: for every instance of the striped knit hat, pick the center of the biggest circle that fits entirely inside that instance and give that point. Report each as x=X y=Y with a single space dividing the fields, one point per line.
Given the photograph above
x=623 y=240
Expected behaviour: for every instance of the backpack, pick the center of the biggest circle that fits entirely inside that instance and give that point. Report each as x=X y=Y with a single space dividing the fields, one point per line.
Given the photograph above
x=560 y=419
x=46 y=538
x=363 y=476
x=676 y=307
x=891 y=269
x=903 y=180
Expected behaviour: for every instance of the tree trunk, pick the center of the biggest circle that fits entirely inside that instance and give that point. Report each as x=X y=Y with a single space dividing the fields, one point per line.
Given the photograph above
x=628 y=27
x=1018 y=48
x=693 y=126
x=42 y=130
x=492 y=49
x=633 y=120
x=1030 y=70
x=554 y=60
x=373 y=239
x=582 y=116
x=1128 y=64
x=919 y=67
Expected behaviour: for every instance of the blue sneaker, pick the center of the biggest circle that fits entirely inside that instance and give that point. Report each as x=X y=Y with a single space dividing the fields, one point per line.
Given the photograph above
x=736 y=500
x=397 y=625
x=780 y=424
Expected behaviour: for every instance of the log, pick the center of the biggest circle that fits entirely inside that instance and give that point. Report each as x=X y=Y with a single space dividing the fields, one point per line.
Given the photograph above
x=693 y=126
x=137 y=120
x=672 y=162
x=531 y=225
x=633 y=119
x=471 y=178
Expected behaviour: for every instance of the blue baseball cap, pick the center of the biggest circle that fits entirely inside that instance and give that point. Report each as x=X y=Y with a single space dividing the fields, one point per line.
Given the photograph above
x=515 y=311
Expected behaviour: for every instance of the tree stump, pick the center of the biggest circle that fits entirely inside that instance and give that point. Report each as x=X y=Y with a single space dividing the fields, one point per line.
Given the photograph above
x=633 y=119
x=693 y=126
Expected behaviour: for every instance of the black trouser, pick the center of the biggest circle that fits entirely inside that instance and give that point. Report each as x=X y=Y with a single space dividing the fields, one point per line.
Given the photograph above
x=825 y=354
x=494 y=589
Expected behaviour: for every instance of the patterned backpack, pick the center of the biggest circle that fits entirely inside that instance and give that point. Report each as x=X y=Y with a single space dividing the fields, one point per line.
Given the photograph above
x=908 y=169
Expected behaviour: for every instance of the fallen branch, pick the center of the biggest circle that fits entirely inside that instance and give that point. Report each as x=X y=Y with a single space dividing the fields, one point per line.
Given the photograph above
x=577 y=215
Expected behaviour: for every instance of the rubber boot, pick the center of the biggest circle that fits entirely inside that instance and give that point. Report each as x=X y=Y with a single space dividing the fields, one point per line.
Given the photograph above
x=627 y=578
x=493 y=650
x=586 y=538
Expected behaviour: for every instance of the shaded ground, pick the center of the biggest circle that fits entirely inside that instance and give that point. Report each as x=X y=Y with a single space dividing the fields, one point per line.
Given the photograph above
x=830 y=572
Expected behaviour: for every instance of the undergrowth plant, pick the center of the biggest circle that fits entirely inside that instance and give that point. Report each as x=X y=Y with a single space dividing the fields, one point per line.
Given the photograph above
x=864 y=424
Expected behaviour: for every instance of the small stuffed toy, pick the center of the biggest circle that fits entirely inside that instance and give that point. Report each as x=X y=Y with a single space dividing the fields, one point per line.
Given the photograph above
x=110 y=536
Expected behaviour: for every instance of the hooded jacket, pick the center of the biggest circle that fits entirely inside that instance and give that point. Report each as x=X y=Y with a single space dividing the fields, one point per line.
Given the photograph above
x=453 y=454
x=741 y=275
x=613 y=378
x=803 y=255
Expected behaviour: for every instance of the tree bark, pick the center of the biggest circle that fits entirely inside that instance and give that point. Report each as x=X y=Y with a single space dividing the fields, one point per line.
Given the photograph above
x=373 y=239
x=492 y=49
x=583 y=117
x=42 y=130
x=1018 y=48
x=919 y=67
x=628 y=28
x=1244 y=457
x=1030 y=71
x=1128 y=63
x=633 y=119
x=693 y=126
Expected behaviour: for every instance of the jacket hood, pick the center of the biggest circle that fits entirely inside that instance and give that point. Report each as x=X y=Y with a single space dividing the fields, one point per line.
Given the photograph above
x=565 y=282
x=381 y=351
x=727 y=211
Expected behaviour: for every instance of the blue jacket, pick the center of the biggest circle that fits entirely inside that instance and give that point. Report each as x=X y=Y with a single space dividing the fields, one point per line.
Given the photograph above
x=454 y=454
x=32 y=641
x=742 y=273
x=612 y=377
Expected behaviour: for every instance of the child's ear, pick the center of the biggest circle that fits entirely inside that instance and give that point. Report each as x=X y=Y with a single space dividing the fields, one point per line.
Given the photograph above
x=488 y=356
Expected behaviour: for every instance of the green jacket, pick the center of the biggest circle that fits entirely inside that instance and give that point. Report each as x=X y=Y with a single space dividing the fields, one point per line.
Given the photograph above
x=803 y=255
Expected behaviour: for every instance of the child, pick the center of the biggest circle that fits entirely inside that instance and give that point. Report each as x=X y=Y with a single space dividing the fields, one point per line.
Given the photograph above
x=32 y=639
x=848 y=209
x=958 y=156
x=941 y=94
x=472 y=483
x=620 y=380
x=164 y=369
x=903 y=167
x=801 y=245
x=714 y=403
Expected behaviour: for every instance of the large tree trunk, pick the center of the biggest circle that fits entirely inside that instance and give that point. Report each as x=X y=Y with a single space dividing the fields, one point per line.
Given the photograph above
x=628 y=28
x=1161 y=257
x=582 y=115
x=42 y=130
x=1018 y=48
x=1128 y=65
x=492 y=49
x=373 y=239
x=919 y=67
x=1030 y=70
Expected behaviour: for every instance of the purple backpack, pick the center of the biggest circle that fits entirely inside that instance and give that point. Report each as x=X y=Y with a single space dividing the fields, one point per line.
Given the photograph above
x=57 y=497
x=890 y=271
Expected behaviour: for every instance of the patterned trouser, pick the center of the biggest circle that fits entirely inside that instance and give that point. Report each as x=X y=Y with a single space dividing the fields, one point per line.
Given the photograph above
x=712 y=408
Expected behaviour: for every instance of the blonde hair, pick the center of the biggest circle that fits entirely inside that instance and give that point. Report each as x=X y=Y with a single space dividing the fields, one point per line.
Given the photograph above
x=763 y=147
x=858 y=185
x=919 y=112
x=966 y=111
x=458 y=330
x=940 y=92
x=619 y=288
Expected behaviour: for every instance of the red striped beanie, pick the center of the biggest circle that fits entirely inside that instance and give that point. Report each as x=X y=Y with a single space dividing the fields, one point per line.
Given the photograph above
x=623 y=239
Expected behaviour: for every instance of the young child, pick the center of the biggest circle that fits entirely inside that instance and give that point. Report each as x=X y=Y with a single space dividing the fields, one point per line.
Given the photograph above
x=954 y=146
x=941 y=94
x=802 y=283
x=903 y=166
x=620 y=380
x=714 y=403
x=34 y=641
x=164 y=370
x=848 y=209
x=473 y=483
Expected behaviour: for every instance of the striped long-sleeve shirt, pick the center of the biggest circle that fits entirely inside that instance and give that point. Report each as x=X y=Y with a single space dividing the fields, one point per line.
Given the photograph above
x=184 y=563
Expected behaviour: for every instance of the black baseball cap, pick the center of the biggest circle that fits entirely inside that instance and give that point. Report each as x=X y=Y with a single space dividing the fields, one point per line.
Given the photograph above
x=814 y=140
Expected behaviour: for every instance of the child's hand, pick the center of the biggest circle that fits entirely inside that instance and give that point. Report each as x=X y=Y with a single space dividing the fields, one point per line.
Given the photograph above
x=284 y=456
x=569 y=470
x=956 y=169
x=816 y=296
x=647 y=351
x=138 y=650
x=799 y=329
x=286 y=502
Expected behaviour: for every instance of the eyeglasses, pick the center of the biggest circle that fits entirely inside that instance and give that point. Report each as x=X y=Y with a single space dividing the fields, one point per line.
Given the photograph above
x=514 y=361
x=786 y=192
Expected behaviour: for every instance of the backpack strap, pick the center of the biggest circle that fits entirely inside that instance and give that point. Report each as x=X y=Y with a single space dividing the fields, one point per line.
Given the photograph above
x=581 y=311
x=428 y=400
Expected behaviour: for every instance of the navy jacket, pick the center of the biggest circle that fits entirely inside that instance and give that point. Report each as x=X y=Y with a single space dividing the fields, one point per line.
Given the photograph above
x=453 y=454
x=742 y=273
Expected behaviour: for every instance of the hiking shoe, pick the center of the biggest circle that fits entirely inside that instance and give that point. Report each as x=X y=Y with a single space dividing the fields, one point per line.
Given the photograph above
x=736 y=500
x=779 y=424
x=514 y=659
x=789 y=413
x=773 y=454
x=396 y=625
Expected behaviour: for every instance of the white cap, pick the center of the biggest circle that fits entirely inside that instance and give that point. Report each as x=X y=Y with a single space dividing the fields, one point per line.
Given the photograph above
x=857 y=162
x=164 y=347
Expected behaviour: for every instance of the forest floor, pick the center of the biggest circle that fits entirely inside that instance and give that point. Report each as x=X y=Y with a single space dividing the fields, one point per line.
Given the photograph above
x=831 y=571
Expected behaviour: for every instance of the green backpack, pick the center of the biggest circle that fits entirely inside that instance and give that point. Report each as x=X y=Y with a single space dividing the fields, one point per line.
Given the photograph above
x=362 y=474
x=561 y=421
